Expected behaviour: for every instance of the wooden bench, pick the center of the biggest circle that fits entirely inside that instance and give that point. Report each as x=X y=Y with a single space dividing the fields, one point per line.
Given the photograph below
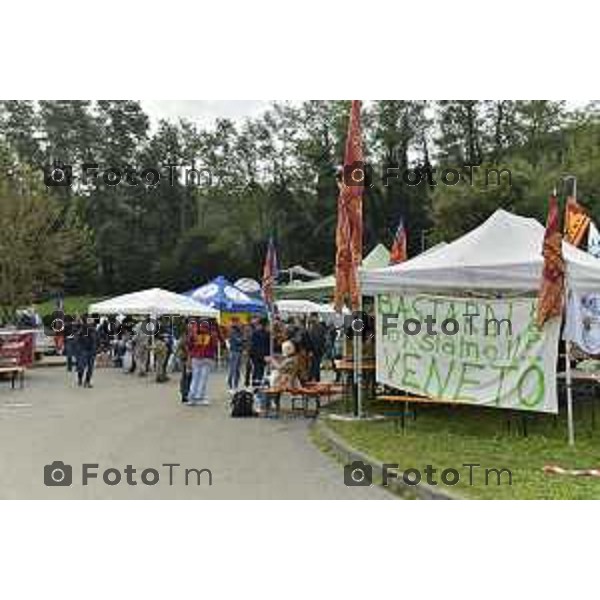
x=310 y=391
x=423 y=400
x=15 y=371
x=408 y=400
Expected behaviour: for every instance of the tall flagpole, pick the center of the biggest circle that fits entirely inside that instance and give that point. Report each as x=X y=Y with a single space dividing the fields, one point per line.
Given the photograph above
x=349 y=240
x=358 y=364
x=270 y=270
x=569 y=381
x=568 y=374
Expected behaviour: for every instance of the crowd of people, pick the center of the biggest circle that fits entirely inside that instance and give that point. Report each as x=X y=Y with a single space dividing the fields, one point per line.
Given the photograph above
x=295 y=348
x=251 y=348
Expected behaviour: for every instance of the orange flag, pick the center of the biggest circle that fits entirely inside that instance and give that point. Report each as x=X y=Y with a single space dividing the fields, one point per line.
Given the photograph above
x=348 y=236
x=576 y=221
x=550 y=297
x=398 y=252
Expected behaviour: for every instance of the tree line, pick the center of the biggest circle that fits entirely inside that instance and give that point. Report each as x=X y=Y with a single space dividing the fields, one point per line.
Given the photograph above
x=270 y=175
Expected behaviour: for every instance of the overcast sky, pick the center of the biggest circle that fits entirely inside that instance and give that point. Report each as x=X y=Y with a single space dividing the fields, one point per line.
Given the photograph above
x=204 y=112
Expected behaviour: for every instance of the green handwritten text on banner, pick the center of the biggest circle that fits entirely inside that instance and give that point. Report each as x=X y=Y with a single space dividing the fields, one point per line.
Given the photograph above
x=497 y=357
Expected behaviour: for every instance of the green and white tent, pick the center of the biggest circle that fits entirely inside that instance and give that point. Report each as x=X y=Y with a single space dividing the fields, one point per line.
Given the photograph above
x=322 y=289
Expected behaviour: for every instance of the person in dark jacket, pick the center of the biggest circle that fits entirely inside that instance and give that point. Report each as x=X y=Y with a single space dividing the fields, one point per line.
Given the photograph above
x=236 y=346
x=260 y=343
x=86 y=346
x=317 y=337
x=181 y=353
x=71 y=327
x=246 y=362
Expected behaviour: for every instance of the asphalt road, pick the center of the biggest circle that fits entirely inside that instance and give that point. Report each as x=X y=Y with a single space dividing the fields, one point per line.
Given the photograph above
x=128 y=420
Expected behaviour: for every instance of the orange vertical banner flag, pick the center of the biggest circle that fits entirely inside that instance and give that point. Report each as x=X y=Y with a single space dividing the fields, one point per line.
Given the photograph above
x=576 y=221
x=398 y=252
x=551 y=294
x=348 y=237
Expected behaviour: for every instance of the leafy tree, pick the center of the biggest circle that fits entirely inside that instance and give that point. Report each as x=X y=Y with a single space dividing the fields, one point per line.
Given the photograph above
x=35 y=244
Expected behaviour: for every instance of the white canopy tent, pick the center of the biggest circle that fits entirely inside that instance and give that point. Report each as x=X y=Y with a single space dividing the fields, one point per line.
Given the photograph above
x=502 y=254
x=297 y=307
x=155 y=302
x=326 y=312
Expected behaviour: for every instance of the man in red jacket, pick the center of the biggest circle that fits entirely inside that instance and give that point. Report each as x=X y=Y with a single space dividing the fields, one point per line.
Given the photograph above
x=202 y=344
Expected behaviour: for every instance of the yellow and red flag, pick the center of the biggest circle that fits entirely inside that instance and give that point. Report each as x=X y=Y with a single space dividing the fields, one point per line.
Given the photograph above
x=398 y=252
x=348 y=236
x=576 y=221
x=550 y=297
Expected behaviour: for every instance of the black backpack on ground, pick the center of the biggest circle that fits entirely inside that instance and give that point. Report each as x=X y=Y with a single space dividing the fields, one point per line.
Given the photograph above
x=242 y=404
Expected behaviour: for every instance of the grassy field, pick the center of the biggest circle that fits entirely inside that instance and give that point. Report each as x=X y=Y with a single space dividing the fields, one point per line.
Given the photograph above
x=448 y=437
x=73 y=305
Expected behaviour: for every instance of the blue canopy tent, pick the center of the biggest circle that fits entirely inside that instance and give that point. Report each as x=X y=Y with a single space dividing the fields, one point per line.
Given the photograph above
x=225 y=297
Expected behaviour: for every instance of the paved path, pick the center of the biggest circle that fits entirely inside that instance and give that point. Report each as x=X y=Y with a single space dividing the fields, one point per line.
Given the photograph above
x=128 y=420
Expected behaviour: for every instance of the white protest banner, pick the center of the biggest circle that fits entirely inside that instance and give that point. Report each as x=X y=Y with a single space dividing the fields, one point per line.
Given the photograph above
x=497 y=357
x=583 y=321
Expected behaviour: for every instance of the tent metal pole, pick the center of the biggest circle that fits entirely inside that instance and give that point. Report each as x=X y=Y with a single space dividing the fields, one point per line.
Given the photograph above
x=219 y=357
x=570 y=424
x=271 y=338
x=357 y=352
x=568 y=374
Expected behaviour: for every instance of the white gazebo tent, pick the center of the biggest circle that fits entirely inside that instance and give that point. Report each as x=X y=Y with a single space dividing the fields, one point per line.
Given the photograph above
x=296 y=307
x=327 y=312
x=154 y=302
x=502 y=255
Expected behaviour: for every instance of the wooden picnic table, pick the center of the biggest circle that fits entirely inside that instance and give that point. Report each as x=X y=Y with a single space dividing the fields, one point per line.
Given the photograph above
x=16 y=372
x=589 y=377
x=579 y=374
x=315 y=391
x=410 y=400
x=345 y=367
x=345 y=364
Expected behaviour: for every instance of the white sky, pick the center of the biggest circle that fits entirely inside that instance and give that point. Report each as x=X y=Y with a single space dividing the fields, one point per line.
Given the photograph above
x=203 y=112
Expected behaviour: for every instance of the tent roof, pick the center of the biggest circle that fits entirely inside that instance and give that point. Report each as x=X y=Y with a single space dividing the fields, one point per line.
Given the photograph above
x=503 y=253
x=247 y=285
x=297 y=307
x=378 y=257
x=154 y=302
x=306 y=307
x=222 y=295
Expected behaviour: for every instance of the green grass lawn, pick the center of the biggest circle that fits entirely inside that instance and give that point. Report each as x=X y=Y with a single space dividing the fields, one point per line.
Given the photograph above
x=448 y=437
x=73 y=305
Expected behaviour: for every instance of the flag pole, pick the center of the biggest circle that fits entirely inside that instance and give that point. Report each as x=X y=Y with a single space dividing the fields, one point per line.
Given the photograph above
x=569 y=383
x=271 y=339
x=357 y=352
x=568 y=374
